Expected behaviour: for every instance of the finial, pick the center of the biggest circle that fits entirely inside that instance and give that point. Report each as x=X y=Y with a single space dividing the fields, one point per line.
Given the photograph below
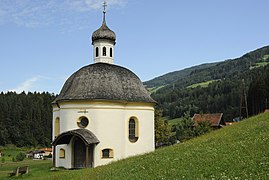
x=104 y=11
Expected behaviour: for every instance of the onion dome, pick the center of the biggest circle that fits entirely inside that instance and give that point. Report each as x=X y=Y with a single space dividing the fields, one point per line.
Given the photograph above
x=104 y=82
x=104 y=32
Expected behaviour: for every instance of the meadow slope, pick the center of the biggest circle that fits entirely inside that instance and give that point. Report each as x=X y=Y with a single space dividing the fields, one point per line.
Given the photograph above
x=239 y=151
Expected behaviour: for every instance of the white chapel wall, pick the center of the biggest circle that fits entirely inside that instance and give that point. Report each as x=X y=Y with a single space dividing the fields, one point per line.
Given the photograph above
x=109 y=122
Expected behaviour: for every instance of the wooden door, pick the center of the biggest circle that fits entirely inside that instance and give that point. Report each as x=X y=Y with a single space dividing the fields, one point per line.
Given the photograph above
x=79 y=154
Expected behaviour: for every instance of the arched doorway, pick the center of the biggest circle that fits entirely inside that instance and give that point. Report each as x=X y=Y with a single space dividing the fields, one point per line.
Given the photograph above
x=82 y=142
x=79 y=154
x=83 y=154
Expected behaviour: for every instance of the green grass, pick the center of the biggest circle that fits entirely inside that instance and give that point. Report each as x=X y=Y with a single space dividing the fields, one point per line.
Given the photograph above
x=11 y=151
x=239 y=151
x=260 y=64
x=265 y=57
x=154 y=89
x=36 y=167
x=202 y=84
x=175 y=121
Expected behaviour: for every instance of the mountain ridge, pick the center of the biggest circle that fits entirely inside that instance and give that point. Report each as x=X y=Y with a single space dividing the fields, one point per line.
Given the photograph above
x=213 y=88
x=175 y=76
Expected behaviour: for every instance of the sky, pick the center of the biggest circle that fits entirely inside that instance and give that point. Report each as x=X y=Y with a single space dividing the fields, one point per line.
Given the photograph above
x=43 y=42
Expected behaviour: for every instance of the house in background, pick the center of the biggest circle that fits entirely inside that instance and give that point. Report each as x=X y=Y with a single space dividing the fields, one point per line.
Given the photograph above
x=48 y=151
x=1 y=153
x=35 y=154
x=216 y=120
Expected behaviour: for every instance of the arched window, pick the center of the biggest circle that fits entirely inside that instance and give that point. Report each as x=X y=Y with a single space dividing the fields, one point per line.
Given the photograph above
x=104 y=51
x=56 y=127
x=83 y=122
x=62 y=153
x=133 y=129
x=107 y=153
x=111 y=52
x=96 y=52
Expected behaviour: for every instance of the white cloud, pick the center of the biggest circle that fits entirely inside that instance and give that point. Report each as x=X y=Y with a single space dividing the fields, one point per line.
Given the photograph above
x=30 y=13
x=86 y=5
x=40 y=84
x=27 y=85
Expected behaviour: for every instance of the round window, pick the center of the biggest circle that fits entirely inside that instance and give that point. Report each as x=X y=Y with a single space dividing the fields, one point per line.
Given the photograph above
x=83 y=122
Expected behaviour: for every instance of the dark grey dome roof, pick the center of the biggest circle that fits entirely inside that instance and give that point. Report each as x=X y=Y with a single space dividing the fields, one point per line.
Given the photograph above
x=102 y=81
x=104 y=33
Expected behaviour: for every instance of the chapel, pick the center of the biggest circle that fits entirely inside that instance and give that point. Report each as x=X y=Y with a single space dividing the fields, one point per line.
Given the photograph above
x=103 y=112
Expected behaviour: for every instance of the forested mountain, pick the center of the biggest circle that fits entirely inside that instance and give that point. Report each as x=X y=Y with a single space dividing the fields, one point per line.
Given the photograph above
x=212 y=88
x=25 y=119
x=206 y=72
x=175 y=76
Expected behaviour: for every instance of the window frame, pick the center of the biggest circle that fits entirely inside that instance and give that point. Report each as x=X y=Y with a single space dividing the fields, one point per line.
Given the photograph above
x=111 y=52
x=97 y=52
x=62 y=153
x=79 y=124
x=104 y=51
x=57 y=127
x=133 y=127
x=107 y=153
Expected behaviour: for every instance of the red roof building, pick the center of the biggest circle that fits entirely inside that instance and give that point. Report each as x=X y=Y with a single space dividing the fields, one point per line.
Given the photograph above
x=215 y=120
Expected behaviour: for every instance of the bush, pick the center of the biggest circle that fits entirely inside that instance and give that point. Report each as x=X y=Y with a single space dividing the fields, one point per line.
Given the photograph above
x=49 y=156
x=3 y=160
x=202 y=128
x=20 y=157
x=184 y=129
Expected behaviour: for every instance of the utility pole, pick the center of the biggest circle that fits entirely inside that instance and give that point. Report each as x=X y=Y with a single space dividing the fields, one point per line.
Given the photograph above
x=243 y=101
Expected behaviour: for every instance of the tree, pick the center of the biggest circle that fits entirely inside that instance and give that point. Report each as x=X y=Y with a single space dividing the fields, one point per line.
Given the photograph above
x=25 y=119
x=258 y=93
x=184 y=129
x=162 y=131
x=20 y=157
x=202 y=128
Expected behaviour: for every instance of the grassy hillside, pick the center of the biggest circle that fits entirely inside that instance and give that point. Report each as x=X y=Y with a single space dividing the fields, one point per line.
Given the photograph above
x=235 y=152
x=202 y=84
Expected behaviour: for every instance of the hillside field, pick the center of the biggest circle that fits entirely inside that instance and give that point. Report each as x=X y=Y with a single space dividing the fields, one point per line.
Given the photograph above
x=239 y=151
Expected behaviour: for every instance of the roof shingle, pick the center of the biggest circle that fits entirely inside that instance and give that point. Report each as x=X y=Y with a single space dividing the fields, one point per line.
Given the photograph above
x=102 y=81
x=214 y=119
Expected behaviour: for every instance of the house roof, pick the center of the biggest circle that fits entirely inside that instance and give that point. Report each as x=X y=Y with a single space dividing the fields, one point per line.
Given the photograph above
x=36 y=151
x=84 y=134
x=101 y=82
x=214 y=119
x=46 y=149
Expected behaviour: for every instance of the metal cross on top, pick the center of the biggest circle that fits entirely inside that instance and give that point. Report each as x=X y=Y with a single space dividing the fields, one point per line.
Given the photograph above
x=104 y=5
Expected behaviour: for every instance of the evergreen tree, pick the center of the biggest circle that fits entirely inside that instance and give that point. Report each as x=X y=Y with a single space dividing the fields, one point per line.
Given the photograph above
x=162 y=131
